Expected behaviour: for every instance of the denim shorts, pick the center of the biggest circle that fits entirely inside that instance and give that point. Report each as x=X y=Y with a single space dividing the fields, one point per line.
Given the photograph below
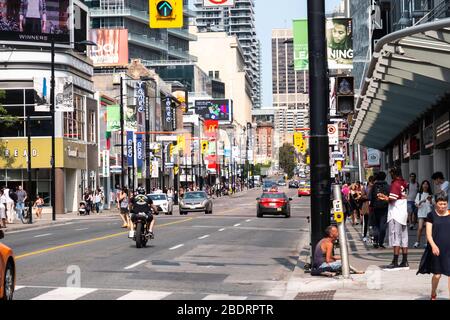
x=412 y=207
x=334 y=266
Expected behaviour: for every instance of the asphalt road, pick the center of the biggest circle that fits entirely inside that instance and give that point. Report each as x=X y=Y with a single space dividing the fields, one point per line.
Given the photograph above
x=230 y=254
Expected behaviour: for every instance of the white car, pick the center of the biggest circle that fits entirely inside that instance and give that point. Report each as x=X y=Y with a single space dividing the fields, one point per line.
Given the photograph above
x=162 y=202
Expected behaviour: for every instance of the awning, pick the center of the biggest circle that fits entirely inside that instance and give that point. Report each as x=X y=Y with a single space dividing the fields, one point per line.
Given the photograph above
x=408 y=74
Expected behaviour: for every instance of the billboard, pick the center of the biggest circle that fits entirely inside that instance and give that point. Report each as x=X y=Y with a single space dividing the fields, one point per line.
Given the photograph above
x=218 y=110
x=130 y=118
x=111 y=49
x=218 y=3
x=63 y=93
x=31 y=21
x=340 y=43
x=113 y=118
x=301 y=45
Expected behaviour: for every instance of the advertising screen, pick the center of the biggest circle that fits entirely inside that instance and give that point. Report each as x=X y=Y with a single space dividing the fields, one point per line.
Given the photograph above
x=111 y=49
x=220 y=110
x=31 y=21
x=340 y=43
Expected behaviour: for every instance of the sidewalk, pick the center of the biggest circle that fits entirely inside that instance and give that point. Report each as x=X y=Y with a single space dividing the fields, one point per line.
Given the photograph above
x=375 y=284
x=61 y=219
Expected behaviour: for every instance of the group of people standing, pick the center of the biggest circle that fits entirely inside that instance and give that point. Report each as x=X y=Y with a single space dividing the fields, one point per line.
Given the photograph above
x=93 y=201
x=402 y=206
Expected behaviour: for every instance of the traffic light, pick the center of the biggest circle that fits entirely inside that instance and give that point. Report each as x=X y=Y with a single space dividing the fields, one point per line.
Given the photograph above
x=166 y=14
x=345 y=91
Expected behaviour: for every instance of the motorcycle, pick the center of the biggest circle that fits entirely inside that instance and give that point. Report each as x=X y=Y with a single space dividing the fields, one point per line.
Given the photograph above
x=140 y=235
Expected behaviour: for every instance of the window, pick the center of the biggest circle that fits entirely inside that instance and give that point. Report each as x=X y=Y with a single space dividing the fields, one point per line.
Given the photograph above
x=91 y=127
x=73 y=121
x=216 y=75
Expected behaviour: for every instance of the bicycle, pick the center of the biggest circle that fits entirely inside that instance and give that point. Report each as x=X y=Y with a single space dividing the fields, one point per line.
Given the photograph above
x=26 y=216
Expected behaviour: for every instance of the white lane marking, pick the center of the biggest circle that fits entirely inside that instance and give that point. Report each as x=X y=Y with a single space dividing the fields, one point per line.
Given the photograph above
x=145 y=295
x=43 y=235
x=135 y=264
x=223 y=297
x=204 y=237
x=176 y=247
x=81 y=229
x=18 y=288
x=223 y=229
x=248 y=220
x=64 y=294
x=237 y=225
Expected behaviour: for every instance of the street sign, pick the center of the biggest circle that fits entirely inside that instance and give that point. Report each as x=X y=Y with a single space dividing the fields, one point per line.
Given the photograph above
x=166 y=138
x=169 y=165
x=166 y=14
x=337 y=155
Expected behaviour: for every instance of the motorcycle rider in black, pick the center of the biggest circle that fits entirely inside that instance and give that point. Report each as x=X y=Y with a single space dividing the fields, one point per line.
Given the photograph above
x=142 y=203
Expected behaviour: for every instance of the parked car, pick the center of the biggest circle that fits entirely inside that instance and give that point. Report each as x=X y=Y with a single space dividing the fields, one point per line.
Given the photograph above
x=304 y=190
x=196 y=201
x=274 y=203
x=7 y=271
x=162 y=202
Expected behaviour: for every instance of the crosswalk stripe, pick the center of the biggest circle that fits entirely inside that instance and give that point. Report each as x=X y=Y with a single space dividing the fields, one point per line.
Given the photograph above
x=64 y=294
x=135 y=264
x=145 y=295
x=223 y=297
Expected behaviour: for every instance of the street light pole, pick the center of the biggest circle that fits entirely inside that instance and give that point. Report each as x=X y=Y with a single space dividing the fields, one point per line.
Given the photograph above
x=122 y=175
x=52 y=111
x=30 y=203
x=318 y=97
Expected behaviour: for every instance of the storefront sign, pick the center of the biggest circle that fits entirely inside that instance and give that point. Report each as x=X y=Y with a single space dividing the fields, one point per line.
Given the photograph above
x=373 y=157
x=169 y=118
x=140 y=96
x=113 y=118
x=105 y=164
x=443 y=129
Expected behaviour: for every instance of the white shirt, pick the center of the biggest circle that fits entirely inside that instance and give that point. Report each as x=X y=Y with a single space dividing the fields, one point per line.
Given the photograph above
x=398 y=211
x=424 y=207
x=6 y=195
x=412 y=191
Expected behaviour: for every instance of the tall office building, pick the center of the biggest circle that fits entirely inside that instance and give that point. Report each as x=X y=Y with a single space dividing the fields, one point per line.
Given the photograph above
x=289 y=87
x=143 y=43
x=240 y=21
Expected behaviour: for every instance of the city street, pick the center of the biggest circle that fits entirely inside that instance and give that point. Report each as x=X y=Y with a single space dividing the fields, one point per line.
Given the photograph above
x=230 y=254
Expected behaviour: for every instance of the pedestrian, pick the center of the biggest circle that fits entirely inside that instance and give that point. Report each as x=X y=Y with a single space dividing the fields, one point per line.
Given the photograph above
x=436 y=258
x=354 y=197
x=2 y=209
x=397 y=218
x=424 y=203
x=102 y=199
x=345 y=199
x=380 y=209
x=442 y=186
x=21 y=198
x=89 y=200
x=97 y=200
x=365 y=207
x=412 y=190
x=38 y=204
x=123 y=206
x=10 y=212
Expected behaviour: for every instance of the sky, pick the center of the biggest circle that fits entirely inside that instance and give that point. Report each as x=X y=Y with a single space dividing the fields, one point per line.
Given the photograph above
x=268 y=18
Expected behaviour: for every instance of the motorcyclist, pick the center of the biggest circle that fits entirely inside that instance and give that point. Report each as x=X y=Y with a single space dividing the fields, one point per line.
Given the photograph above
x=142 y=203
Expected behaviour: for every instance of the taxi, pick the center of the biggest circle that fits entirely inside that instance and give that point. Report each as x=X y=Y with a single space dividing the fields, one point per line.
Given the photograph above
x=7 y=271
x=304 y=191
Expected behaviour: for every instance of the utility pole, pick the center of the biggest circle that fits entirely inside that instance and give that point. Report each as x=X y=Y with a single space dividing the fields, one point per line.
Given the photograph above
x=122 y=175
x=318 y=98
x=52 y=111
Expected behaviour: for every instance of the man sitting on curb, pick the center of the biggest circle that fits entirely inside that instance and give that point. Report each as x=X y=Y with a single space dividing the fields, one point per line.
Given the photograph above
x=325 y=262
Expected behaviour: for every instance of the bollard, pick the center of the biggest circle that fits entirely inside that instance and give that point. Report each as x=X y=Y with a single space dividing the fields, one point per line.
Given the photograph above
x=340 y=219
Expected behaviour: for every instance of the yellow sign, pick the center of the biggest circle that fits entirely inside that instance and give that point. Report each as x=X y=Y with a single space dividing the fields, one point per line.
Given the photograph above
x=298 y=140
x=205 y=146
x=339 y=217
x=339 y=165
x=308 y=160
x=166 y=14
x=176 y=169
x=181 y=142
x=15 y=153
x=171 y=148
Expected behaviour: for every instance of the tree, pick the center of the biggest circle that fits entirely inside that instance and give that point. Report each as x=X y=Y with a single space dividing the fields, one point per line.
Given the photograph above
x=7 y=121
x=287 y=159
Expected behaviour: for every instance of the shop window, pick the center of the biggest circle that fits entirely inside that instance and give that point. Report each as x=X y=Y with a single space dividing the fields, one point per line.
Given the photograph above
x=14 y=175
x=15 y=129
x=41 y=127
x=92 y=128
x=11 y=97
x=43 y=174
x=13 y=110
x=74 y=121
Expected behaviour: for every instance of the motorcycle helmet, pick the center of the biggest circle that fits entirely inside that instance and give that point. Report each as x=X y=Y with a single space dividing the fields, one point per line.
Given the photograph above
x=141 y=190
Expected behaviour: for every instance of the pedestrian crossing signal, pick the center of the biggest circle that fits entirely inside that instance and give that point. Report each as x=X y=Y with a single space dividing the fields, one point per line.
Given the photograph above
x=166 y=14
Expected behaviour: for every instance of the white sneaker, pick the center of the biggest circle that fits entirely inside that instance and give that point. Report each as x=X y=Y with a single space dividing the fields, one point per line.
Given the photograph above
x=416 y=245
x=365 y=239
x=131 y=234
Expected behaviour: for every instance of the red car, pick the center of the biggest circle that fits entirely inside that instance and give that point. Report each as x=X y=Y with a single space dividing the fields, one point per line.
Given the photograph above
x=274 y=203
x=304 y=191
x=7 y=271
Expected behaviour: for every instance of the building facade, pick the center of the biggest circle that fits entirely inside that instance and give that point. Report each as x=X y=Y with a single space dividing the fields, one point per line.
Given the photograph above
x=403 y=106
x=239 y=21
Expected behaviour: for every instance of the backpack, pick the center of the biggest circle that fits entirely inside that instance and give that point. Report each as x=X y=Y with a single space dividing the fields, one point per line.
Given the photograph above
x=379 y=187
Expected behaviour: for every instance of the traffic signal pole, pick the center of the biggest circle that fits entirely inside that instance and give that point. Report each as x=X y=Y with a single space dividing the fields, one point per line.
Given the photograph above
x=318 y=98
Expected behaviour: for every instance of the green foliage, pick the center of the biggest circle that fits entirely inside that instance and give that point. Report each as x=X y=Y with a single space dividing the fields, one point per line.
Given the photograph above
x=287 y=159
x=7 y=121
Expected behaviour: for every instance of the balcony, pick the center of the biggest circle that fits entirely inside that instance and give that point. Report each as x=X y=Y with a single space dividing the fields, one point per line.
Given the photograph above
x=144 y=41
x=181 y=54
x=182 y=33
x=137 y=15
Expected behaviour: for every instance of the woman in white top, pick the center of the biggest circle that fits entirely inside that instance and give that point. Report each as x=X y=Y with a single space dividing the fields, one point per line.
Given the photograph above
x=10 y=211
x=424 y=205
x=2 y=209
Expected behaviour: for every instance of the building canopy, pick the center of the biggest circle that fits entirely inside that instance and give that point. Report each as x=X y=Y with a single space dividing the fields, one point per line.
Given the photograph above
x=408 y=74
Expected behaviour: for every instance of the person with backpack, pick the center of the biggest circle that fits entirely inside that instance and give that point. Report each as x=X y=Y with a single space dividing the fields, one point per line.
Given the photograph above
x=412 y=190
x=380 y=209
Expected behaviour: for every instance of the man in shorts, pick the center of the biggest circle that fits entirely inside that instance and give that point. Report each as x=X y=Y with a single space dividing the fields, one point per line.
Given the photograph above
x=397 y=218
